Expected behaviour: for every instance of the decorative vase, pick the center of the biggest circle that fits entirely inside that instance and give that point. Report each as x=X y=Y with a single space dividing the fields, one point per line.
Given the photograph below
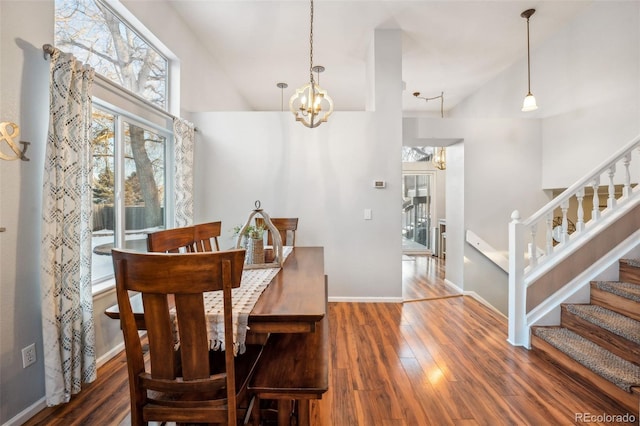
x=255 y=251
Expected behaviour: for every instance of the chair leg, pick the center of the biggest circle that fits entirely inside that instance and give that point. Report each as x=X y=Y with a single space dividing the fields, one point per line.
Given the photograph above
x=284 y=412
x=249 y=413
x=304 y=410
x=255 y=411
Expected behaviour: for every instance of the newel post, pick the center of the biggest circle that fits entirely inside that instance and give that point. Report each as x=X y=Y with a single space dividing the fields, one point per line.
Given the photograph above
x=518 y=331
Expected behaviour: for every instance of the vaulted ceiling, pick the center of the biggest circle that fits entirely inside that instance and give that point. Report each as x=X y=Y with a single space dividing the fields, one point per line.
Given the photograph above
x=449 y=46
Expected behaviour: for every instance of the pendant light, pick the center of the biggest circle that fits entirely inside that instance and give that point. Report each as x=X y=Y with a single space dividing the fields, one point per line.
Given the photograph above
x=529 y=103
x=311 y=105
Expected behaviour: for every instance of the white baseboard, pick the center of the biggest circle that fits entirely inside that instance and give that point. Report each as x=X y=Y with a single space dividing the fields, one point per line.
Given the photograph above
x=110 y=354
x=27 y=413
x=453 y=286
x=484 y=302
x=366 y=299
x=475 y=296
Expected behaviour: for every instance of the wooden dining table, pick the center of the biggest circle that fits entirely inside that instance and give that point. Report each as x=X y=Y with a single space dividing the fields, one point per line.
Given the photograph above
x=293 y=302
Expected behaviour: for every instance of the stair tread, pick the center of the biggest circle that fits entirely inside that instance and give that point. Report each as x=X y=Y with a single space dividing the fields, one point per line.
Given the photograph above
x=615 y=369
x=614 y=322
x=620 y=288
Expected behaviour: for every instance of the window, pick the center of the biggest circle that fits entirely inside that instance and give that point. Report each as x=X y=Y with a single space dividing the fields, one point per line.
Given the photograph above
x=130 y=150
x=129 y=157
x=95 y=35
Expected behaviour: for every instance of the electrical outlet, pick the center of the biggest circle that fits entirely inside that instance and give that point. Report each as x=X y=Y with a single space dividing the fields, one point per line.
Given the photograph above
x=28 y=355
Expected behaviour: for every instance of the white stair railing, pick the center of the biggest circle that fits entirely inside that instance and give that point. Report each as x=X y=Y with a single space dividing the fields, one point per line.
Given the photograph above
x=536 y=245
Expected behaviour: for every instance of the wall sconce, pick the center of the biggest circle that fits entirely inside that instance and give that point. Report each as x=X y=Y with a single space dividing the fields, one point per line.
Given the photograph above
x=8 y=133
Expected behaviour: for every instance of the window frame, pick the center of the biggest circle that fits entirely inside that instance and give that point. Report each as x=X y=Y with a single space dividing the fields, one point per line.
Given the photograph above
x=146 y=40
x=122 y=116
x=172 y=104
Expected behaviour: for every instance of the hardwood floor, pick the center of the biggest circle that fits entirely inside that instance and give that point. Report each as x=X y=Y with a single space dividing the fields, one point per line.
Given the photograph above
x=439 y=361
x=423 y=278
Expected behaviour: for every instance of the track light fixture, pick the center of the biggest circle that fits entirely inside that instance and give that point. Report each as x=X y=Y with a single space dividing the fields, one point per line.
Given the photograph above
x=441 y=97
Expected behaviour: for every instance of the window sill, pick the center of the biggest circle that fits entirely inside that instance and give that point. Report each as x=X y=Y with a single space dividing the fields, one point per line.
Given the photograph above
x=103 y=287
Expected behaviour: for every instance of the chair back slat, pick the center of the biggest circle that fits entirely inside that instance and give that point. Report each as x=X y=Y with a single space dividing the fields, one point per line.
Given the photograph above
x=194 y=345
x=160 y=335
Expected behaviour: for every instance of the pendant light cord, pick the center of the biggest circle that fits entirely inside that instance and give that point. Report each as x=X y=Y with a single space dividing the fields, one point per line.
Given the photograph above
x=311 y=48
x=528 y=61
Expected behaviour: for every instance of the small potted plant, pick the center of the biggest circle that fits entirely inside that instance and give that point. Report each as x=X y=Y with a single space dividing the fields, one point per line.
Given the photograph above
x=253 y=241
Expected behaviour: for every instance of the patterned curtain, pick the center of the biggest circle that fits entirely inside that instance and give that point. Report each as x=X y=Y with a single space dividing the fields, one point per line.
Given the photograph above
x=184 y=134
x=67 y=305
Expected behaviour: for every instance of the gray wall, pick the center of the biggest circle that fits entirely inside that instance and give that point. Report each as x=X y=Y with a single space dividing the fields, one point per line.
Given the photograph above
x=24 y=87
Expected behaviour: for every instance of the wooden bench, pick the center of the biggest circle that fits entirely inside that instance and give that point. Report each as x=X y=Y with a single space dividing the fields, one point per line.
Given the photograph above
x=293 y=368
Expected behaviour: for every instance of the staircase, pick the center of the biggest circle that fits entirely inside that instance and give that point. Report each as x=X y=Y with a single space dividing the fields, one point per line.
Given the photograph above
x=598 y=344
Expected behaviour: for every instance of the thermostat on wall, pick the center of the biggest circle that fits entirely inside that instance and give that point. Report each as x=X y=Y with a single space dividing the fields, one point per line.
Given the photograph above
x=379 y=184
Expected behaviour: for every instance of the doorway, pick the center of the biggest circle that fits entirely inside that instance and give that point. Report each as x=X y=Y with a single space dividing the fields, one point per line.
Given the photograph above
x=423 y=191
x=417 y=212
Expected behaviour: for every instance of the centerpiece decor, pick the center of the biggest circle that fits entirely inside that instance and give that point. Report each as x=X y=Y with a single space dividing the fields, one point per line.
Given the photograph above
x=253 y=237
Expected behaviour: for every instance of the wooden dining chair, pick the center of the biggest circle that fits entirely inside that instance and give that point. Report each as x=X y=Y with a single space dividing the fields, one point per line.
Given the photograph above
x=190 y=384
x=285 y=226
x=205 y=233
x=196 y=238
x=173 y=240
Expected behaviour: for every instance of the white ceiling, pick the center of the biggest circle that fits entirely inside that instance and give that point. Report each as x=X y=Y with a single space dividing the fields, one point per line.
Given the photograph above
x=449 y=46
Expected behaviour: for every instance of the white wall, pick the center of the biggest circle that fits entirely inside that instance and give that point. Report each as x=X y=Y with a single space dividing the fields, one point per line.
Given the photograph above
x=502 y=173
x=455 y=201
x=494 y=170
x=199 y=68
x=594 y=103
x=586 y=79
x=324 y=176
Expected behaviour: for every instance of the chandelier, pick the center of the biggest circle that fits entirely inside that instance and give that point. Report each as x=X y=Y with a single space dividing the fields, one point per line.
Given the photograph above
x=311 y=105
x=439 y=159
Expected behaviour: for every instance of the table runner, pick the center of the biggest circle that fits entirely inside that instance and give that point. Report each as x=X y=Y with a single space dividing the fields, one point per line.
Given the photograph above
x=253 y=283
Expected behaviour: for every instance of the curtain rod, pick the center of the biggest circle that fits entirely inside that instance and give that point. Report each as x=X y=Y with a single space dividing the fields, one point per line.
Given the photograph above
x=48 y=50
